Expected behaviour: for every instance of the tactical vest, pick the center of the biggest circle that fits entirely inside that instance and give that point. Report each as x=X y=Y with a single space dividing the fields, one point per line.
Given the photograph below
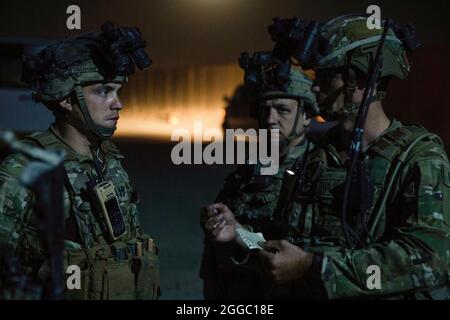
x=127 y=268
x=320 y=197
x=253 y=198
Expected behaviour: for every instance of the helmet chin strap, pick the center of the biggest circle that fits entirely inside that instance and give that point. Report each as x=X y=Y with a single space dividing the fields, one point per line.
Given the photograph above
x=95 y=133
x=350 y=109
x=326 y=105
x=290 y=141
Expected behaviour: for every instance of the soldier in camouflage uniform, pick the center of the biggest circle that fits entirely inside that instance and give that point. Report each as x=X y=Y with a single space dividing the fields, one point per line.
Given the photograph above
x=253 y=197
x=77 y=80
x=404 y=231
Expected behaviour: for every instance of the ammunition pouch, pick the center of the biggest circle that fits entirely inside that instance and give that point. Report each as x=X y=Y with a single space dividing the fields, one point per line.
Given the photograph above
x=116 y=272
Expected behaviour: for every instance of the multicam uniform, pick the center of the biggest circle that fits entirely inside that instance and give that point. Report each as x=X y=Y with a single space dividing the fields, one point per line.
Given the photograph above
x=253 y=198
x=412 y=235
x=114 y=264
x=407 y=221
x=123 y=269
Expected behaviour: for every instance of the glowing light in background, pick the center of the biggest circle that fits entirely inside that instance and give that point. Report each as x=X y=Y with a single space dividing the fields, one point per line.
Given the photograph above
x=158 y=102
x=159 y=127
x=174 y=120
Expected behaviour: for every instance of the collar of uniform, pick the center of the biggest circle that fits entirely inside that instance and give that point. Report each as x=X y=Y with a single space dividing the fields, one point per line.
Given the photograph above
x=107 y=147
x=71 y=153
x=334 y=154
x=296 y=151
x=395 y=124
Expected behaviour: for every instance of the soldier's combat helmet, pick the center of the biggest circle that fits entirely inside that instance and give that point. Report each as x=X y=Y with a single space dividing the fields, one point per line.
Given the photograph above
x=63 y=68
x=351 y=46
x=270 y=77
x=298 y=87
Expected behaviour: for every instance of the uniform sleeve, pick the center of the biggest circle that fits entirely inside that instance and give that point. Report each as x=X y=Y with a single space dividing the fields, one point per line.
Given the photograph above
x=209 y=267
x=414 y=258
x=14 y=200
x=218 y=257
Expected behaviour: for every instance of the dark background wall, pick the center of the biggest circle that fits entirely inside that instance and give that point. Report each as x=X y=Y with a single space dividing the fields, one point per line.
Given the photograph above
x=199 y=32
x=424 y=96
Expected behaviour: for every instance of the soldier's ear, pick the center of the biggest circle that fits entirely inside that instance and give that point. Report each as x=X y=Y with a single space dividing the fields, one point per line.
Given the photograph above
x=306 y=118
x=66 y=104
x=305 y=113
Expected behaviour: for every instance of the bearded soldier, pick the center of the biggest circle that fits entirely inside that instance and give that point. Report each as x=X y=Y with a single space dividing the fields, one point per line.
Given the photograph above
x=79 y=80
x=392 y=242
x=253 y=197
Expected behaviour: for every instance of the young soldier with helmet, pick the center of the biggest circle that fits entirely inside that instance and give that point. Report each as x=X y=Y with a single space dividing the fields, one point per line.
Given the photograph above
x=79 y=80
x=252 y=197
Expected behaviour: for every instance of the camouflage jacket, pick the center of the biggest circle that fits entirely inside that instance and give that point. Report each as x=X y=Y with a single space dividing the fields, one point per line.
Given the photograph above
x=85 y=233
x=411 y=245
x=253 y=198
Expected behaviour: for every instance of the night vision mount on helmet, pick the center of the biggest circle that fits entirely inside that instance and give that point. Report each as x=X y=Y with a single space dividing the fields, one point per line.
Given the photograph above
x=64 y=67
x=346 y=43
x=270 y=77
